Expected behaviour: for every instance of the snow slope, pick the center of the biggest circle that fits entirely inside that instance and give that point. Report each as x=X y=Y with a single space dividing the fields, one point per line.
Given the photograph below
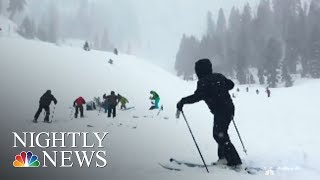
x=279 y=132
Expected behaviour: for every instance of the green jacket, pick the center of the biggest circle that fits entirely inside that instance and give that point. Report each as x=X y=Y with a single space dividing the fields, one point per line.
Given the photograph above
x=123 y=100
x=154 y=95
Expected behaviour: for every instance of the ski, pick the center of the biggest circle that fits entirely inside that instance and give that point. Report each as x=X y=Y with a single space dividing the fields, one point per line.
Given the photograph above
x=189 y=164
x=247 y=169
x=169 y=168
x=129 y=108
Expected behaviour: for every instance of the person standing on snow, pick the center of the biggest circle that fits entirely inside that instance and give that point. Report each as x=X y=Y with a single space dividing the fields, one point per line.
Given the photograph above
x=112 y=101
x=44 y=103
x=78 y=104
x=268 y=92
x=156 y=98
x=214 y=89
x=123 y=101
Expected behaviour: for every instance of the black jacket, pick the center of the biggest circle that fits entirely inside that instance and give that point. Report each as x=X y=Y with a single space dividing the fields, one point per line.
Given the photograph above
x=46 y=99
x=112 y=100
x=214 y=90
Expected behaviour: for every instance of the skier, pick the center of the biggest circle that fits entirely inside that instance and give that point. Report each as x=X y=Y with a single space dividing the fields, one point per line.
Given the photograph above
x=257 y=91
x=112 y=101
x=86 y=46
x=214 y=89
x=247 y=89
x=115 y=51
x=91 y=105
x=156 y=98
x=123 y=101
x=268 y=92
x=44 y=103
x=238 y=90
x=78 y=104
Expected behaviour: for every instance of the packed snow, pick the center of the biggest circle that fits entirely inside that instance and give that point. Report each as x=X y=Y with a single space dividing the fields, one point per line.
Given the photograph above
x=280 y=132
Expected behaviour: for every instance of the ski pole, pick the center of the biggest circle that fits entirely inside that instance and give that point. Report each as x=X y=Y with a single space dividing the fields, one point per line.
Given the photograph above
x=54 y=108
x=234 y=123
x=71 y=114
x=161 y=109
x=195 y=142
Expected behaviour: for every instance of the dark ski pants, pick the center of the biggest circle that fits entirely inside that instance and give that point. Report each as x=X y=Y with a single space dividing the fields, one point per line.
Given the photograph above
x=220 y=134
x=46 y=108
x=77 y=111
x=112 y=109
x=123 y=106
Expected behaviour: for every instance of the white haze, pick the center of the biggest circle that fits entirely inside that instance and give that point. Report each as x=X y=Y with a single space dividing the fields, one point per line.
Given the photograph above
x=152 y=28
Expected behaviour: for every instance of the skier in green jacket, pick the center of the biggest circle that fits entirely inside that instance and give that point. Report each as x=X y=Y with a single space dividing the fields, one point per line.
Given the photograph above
x=123 y=101
x=156 y=98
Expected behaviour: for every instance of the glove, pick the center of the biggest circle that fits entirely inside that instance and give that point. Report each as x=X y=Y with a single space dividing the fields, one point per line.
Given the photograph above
x=180 y=105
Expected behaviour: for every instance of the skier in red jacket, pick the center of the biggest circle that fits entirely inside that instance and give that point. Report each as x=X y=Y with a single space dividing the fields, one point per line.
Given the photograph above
x=78 y=104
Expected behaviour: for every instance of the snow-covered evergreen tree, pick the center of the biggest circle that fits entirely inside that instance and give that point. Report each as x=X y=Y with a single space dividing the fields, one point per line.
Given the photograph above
x=273 y=56
x=27 y=29
x=15 y=6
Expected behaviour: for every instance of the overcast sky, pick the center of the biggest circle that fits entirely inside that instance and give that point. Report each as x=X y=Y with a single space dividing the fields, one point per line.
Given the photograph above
x=153 y=27
x=162 y=23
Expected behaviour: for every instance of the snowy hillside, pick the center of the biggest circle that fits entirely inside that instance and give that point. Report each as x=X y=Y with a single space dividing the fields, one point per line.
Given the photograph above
x=280 y=132
x=8 y=28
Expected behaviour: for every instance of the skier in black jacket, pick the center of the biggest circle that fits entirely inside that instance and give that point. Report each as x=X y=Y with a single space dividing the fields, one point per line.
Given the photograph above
x=44 y=103
x=214 y=88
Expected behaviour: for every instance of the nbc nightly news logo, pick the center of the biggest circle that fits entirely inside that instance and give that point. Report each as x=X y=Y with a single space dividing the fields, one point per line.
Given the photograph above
x=26 y=160
x=66 y=158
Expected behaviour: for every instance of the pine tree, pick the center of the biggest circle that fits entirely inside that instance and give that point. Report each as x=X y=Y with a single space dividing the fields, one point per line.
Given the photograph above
x=292 y=35
x=273 y=55
x=221 y=23
x=15 y=6
x=180 y=57
x=244 y=56
x=303 y=39
x=27 y=28
x=210 y=25
x=286 y=77
x=1 y=6
x=314 y=39
x=42 y=30
x=232 y=39
x=263 y=29
x=261 y=76
x=220 y=44
x=186 y=57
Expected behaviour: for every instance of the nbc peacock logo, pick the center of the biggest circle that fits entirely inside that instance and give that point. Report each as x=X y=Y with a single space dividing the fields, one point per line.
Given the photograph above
x=26 y=160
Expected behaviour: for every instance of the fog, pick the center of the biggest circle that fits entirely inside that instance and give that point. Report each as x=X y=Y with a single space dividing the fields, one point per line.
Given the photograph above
x=147 y=28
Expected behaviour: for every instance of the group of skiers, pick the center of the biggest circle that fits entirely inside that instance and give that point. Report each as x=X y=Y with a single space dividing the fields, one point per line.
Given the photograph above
x=109 y=104
x=111 y=101
x=213 y=88
x=268 y=92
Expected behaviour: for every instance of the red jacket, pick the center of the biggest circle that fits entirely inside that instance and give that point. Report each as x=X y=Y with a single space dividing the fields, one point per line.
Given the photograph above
x=79 y=101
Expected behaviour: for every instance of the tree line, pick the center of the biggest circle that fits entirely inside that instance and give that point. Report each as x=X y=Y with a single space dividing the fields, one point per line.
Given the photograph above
x=277 y=42
x=50 y=21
